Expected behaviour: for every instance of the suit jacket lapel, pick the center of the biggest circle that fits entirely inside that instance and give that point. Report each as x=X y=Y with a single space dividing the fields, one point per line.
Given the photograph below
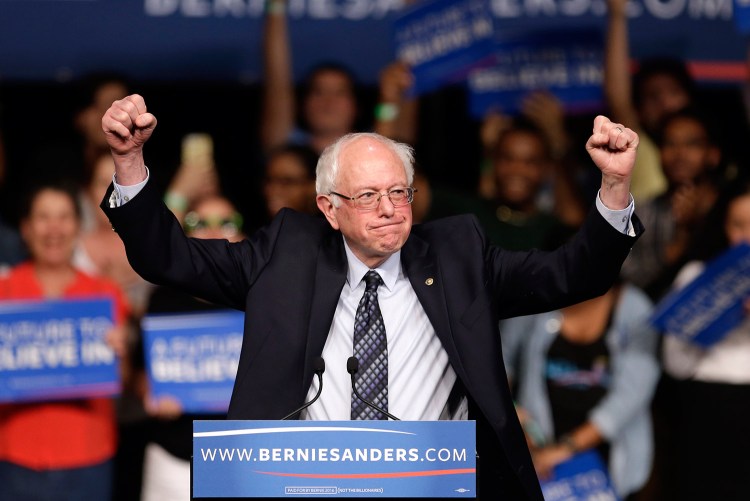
x=420 y=266
x=330 y=276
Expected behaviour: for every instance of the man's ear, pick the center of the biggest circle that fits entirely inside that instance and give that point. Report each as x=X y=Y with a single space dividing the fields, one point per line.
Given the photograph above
x=329 y=211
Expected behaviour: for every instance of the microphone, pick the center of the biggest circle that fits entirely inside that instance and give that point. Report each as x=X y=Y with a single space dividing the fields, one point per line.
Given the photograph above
x=320 y=367
x=352 y=366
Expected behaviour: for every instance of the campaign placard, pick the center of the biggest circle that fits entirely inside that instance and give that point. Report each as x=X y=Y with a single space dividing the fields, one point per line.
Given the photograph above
x=410 y=459
x=581 y=478
x=443 y=40
x=53 y=350
x=705 y=310
x=566 y=64
x=192 y=358
x=742 y=16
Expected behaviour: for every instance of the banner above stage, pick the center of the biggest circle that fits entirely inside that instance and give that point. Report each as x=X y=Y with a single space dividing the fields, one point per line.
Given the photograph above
x=220 y=40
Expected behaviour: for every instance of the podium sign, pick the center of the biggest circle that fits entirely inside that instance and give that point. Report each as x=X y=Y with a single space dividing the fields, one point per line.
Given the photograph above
x=413 y=459
x=53 y=350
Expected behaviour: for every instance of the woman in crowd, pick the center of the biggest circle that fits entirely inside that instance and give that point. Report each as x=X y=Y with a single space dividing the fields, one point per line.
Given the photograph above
x=57 y=450
x=585 y=376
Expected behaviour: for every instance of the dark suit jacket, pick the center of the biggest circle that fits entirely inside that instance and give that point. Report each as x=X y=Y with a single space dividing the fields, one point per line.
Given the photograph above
x=288 y=277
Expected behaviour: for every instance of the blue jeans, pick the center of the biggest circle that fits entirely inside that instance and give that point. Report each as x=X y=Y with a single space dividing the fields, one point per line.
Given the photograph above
x=91 y=483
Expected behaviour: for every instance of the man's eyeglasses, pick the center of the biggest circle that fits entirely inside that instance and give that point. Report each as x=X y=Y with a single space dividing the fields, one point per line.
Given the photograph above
x=370 y=200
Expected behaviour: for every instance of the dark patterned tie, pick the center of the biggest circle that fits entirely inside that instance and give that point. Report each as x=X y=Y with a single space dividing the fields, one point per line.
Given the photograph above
x=371 y=348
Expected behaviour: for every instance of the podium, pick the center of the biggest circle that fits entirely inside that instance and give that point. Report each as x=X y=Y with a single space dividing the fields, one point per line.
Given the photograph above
x=333 y=459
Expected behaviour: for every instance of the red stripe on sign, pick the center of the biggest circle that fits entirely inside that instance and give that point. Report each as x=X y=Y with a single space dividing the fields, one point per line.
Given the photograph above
x=718 y=70
x=431 y=473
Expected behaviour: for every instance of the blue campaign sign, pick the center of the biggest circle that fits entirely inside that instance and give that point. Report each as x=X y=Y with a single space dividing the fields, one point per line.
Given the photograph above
x=742 y=15
x=581 y=478
x=51 y=350
x=706 y=309
x=568 y=64
x=192 y=358
x=412 y=459
x=442 y=40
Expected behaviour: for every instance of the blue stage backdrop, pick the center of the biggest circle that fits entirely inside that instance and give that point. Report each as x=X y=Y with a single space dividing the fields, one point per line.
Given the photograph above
x=219 y=40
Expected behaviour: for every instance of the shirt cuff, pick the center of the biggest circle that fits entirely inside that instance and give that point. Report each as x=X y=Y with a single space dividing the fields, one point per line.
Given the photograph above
x=123 y=194
x=619 y=219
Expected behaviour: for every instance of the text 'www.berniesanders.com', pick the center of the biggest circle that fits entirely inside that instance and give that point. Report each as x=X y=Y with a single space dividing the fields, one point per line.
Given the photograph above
x=333 y=455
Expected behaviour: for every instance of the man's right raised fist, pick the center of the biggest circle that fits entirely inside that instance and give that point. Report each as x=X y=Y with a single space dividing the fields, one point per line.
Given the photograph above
x=127 y=125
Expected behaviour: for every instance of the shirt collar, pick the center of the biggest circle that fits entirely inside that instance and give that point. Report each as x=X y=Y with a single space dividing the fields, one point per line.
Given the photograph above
x=389 y=270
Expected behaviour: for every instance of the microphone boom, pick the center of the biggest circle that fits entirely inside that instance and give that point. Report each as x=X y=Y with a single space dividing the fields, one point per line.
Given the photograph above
x=320 y=368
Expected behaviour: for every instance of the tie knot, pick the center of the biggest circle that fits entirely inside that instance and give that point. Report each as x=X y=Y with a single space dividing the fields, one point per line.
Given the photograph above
x=372 y=281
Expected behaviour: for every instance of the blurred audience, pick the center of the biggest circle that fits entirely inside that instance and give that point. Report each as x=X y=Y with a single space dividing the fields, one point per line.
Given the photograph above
x=57 y=450
x=73 y=157
x=521 y=163
x=330 y=104
x=433 y=202
x=290 y=179
x=3 y=167
x=660 y=86
x=584 y=379
x=559 y=190
x=12 y=250
x=691 y=160
x=328 y=108
x=196 y=176
x=99 y=92
x=69 y=153
x=397 y=111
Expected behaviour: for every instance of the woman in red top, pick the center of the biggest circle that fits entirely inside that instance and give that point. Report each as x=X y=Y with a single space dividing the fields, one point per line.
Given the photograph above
x=64 y=449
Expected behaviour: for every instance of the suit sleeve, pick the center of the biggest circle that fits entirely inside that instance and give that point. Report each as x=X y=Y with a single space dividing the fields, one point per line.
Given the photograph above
x=159 y=251
x=526 y=283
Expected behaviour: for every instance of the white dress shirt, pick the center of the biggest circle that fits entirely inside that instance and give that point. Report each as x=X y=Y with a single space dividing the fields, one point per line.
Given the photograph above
x=420 y=379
